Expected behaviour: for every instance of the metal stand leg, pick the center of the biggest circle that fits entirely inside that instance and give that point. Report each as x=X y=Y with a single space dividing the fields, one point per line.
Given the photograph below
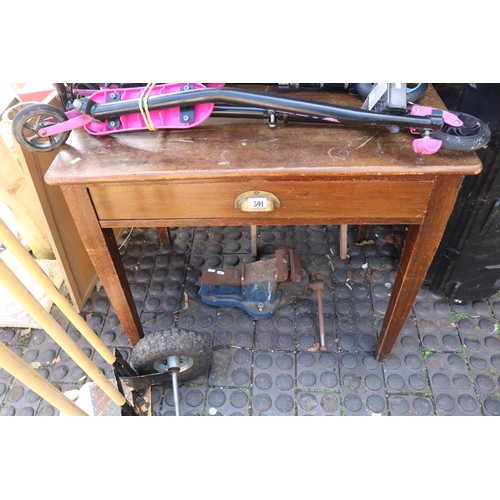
x=253 y=236
x=173 y=367
x=384 y=96
x=343 y=241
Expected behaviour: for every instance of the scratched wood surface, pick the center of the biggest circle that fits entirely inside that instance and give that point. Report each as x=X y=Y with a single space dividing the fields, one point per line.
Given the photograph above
x=232 y=148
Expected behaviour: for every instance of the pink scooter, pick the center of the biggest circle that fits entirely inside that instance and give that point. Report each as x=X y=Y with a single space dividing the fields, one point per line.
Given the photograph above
x=103 y=110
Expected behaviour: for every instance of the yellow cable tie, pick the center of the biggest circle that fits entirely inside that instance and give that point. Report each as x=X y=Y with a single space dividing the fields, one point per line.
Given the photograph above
x=140 y=106
x=143 y=106
x=151 y=127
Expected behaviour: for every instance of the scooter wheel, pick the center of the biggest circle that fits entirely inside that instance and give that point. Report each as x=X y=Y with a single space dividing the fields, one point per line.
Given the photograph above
x=413 y=92
x=473 y=135
x=30 y=120
x=193 y=349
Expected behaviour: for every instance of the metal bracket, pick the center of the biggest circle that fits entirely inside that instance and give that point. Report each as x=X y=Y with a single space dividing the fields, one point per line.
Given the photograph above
x=84 y=105
x=272 y=119
x=396 y=97
x=142 y=382
x=386 y=96
x=123 y=370
x=114 y=121
x=187 y=112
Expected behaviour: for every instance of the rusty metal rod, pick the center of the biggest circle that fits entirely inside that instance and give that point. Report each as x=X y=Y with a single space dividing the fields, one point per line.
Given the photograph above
x=321 y=320
x=23 y=372
x=318 y=286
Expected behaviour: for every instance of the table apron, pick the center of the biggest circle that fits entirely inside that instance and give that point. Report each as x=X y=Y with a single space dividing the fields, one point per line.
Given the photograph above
x=300 y=202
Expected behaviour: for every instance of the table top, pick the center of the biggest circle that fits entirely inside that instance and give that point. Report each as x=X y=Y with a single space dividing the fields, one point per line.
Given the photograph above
x=236 y=148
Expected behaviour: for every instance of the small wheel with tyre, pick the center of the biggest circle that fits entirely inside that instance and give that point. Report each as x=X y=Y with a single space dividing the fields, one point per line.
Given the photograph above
x=30 y=120
x=473 y=135
x=193 y=350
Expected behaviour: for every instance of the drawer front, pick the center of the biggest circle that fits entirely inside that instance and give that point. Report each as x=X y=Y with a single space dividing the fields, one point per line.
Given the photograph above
x=359 y=201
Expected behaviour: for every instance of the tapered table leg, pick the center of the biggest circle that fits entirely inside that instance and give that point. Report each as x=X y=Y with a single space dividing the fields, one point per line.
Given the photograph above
x=103 y=252
x=420 y=246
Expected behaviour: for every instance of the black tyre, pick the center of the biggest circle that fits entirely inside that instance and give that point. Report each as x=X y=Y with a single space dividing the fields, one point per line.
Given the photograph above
x=473 y=135
x=30 y=120
x=193 y=349
x=413 y=91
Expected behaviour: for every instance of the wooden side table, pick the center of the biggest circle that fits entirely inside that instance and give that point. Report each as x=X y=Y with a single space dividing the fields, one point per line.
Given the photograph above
x=321 y=174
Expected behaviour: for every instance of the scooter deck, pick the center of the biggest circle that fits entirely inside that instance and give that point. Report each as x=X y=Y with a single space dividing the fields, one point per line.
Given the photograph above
x=168 y=118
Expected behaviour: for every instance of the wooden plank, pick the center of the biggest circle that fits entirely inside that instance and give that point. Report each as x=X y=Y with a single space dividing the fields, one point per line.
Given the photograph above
x=63 y=239
x=19 y=195
x=78 y=271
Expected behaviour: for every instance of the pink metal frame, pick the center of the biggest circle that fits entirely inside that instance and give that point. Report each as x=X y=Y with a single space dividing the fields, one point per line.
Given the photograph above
x=428 y=145
x=170 y=118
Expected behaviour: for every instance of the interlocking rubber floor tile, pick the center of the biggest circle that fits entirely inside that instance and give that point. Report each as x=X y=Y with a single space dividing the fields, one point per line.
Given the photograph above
x=231 y=367
x=318 y=371
x=363 y=391
x=273 y=384
x=233 y=328
x=446 y=360
x=404 y=370
x=491 y=405
x=317 y=403
x=227 y=402
x=191 y=401
x=451 y=385
x=408 y=405
x=435 y=322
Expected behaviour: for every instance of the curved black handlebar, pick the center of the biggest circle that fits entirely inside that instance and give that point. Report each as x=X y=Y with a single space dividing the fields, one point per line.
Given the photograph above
x=264 y=102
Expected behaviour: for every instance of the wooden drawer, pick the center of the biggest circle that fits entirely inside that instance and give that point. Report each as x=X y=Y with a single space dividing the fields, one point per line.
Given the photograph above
x=330 y=201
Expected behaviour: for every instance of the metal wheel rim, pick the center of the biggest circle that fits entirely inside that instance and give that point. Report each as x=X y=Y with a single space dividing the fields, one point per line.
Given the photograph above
x=33 y=125
x=471 y=127
x=185 y=362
